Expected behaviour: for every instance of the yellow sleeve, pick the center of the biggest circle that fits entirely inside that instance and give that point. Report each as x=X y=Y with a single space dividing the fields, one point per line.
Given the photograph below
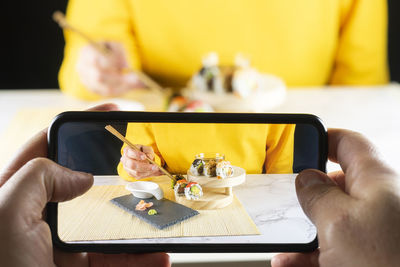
x=103 y=20
x=139 y=133
x=280 y=147
x=361 y=57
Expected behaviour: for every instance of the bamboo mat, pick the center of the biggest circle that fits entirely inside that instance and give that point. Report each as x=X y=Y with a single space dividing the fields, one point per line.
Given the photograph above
x=25 y=124
x=93 y=217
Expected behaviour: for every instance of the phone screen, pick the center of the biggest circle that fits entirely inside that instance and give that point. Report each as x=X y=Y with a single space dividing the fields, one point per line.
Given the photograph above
x=232 y=183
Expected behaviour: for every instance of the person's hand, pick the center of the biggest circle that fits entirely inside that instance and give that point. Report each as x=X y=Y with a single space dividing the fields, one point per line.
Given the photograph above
x=104 y=73
x=356 y=212
x=136 y=164
x=27 y=183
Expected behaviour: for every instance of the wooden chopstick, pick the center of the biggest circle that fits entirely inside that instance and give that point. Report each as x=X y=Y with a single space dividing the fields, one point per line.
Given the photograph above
x=59 y=17
x=126 y=141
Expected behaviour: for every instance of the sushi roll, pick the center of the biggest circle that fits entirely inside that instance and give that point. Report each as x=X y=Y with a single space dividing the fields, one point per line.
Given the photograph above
x=224 y=169
x=180 y=186
x=177 y=177
x=193 y=191
x=197 y=167
x=210 y=168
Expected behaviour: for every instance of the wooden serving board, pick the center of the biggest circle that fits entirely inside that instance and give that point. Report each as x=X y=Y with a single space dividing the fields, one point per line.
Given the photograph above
x=213 y=198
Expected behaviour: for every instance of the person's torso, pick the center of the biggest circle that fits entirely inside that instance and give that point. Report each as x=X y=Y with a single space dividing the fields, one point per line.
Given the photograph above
x=242 y=145
x=295 y=40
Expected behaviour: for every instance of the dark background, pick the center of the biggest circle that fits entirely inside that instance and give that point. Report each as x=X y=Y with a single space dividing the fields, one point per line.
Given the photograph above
x=32 y=44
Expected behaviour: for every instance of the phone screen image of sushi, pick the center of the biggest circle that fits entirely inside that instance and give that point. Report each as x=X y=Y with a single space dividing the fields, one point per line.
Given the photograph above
x=233 y=182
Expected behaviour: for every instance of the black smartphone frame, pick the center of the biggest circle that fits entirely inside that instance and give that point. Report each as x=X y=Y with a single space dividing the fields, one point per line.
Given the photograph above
x=121 y=116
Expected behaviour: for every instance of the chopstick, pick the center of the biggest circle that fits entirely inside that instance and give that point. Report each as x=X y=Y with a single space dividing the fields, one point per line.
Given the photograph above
x=59 y=17
x=126 y=141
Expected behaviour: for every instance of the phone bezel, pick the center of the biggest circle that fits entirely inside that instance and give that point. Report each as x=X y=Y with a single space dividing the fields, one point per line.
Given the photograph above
x=123 y=116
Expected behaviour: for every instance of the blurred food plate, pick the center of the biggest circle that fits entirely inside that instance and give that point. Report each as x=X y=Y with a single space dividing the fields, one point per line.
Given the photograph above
x=270 y=93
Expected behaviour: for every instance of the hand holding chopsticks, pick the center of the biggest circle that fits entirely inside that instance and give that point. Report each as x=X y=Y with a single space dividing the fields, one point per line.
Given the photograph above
x=128 y=143
x=104 y=49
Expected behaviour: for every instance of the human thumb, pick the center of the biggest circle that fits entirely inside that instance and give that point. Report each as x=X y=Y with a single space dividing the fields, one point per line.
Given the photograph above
x=42 y=180
x=320 y=197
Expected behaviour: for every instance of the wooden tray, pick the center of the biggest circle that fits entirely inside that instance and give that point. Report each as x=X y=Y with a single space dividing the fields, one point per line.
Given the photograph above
x=213 y=198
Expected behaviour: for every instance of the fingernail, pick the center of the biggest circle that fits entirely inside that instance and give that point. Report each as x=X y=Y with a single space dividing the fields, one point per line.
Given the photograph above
x=310 y=178
x=154 y=168
x=275 y=261
x=143 y=157
x=84 y=174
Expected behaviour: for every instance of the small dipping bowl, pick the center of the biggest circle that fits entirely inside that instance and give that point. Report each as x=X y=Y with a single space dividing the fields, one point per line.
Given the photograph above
x=142 y=189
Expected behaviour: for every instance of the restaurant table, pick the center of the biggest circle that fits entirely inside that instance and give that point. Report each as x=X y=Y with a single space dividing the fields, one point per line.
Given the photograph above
x=269 y=202
x=373 y=111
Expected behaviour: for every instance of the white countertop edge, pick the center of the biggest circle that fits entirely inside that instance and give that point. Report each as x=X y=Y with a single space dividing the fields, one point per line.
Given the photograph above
x=219 y=257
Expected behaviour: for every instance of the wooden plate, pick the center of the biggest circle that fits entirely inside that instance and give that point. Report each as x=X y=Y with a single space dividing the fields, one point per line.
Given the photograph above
x=239 y=176
x=213 y=198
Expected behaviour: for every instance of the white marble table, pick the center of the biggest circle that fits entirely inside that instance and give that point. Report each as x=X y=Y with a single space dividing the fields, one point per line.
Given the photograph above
x=269 y=199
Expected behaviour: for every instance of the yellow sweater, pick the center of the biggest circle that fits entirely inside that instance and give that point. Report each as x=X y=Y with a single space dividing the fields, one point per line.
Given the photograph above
x=254 y=147
x=307 y=42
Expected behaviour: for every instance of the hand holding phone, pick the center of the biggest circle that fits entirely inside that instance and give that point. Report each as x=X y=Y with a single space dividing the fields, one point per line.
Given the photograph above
x=352 y=209
x=27 y=183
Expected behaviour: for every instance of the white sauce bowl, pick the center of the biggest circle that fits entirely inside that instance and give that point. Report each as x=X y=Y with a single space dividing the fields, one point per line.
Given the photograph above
x=143 y=189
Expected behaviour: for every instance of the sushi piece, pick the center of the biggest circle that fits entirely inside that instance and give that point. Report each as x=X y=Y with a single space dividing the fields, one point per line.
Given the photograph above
x=245 y=82
x=177 y=177
x=180 y=186
x=210 y=168
x=197 y=167
x=224 y=169
x=241 y=78
x=179 y=103
x=210 y=77
x=193 y=191
x=176 y=103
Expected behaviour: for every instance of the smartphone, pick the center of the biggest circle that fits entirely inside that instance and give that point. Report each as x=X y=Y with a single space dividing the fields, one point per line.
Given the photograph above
x=223 y=182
